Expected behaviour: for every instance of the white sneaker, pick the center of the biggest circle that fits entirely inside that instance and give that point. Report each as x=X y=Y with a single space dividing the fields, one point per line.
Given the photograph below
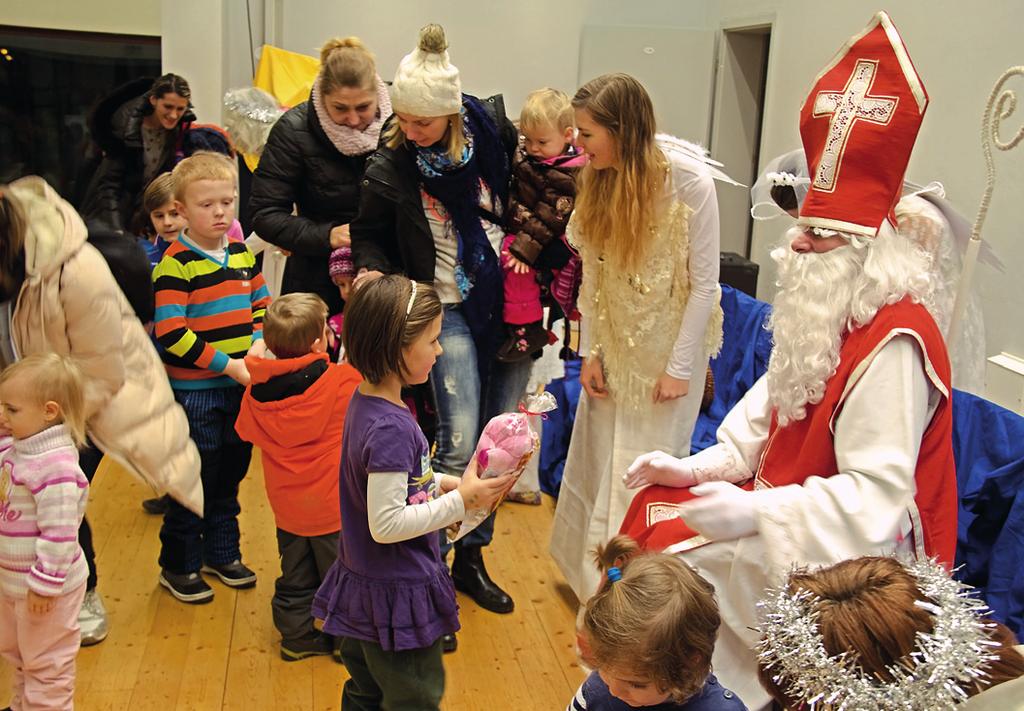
x=92 y=619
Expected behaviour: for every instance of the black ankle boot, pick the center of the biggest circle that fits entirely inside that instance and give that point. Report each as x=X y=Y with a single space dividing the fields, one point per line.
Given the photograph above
x=470 y=576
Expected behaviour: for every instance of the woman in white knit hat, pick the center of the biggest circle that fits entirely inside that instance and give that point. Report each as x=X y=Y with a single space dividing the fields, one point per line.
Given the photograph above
x=431 y=205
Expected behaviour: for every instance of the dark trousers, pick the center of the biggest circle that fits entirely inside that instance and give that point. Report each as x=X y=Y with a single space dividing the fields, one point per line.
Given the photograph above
x=187 y=540
x=305 y=561
x=412 y=680
x=89 y=460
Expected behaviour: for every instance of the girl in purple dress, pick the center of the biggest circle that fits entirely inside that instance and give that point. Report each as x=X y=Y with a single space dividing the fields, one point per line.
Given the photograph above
x=389 y=596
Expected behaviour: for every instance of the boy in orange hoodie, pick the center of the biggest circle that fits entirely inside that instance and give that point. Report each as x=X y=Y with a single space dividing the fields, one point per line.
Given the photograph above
x=294 y=411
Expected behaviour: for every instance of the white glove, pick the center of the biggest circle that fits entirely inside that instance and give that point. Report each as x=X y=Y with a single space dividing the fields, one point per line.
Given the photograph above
x=724 y=512
x=713 y=464
x=659 y=468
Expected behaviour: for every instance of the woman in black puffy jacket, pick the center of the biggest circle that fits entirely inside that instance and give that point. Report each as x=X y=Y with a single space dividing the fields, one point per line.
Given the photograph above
x=305 y=191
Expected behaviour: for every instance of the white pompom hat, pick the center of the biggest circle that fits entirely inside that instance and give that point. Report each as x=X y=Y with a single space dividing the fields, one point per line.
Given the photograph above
x=427 y=83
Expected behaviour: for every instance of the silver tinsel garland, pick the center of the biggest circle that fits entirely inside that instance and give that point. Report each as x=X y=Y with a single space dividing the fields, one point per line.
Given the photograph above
x=249 y=114
x=955 y=653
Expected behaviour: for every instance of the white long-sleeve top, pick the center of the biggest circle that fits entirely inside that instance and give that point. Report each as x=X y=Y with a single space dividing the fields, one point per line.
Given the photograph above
x=695 y=187
x=392 y=519
x=865 y=507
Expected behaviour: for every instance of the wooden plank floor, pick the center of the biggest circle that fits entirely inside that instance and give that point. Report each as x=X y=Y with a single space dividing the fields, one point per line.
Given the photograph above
x=163 y=655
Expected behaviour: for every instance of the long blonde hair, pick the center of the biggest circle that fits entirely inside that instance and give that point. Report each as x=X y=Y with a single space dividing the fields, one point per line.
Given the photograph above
x=615 y=207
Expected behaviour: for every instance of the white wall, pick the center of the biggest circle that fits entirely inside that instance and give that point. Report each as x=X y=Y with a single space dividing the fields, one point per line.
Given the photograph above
x=959 y=52
x=134 y=17
x=508 y=47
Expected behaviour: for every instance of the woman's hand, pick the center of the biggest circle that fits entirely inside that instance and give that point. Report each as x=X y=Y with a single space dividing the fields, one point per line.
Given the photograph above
x=480 y=493
x=592 y=377
x=516 y=265
x=667 y=388
x=340 y=237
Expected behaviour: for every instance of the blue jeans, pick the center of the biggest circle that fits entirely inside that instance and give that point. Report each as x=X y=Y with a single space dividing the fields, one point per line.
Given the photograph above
x=187 y=540
x=465 y=404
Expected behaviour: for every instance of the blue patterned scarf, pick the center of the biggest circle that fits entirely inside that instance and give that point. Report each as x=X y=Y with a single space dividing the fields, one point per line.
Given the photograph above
x=456 y=184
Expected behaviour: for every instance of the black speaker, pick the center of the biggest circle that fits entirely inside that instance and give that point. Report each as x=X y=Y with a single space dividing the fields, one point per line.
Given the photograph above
x=739 y=273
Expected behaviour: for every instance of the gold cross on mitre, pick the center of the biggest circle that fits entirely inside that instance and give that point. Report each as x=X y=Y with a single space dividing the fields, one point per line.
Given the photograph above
x=854 y=103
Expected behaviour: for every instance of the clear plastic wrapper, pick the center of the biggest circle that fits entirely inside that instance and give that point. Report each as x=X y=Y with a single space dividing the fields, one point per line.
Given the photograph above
x=506 y=445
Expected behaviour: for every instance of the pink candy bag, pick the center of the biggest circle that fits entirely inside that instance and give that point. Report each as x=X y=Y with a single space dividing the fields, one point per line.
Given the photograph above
x=506 y=445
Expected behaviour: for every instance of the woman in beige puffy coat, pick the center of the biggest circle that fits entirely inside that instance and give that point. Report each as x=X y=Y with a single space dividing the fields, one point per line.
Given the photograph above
x=58 y=294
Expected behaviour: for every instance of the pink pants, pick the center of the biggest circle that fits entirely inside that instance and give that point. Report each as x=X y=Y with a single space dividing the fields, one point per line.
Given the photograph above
x=41 y=649
x=522 y=293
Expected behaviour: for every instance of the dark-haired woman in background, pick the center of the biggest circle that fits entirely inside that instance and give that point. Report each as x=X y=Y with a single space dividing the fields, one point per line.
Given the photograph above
x=142 y=129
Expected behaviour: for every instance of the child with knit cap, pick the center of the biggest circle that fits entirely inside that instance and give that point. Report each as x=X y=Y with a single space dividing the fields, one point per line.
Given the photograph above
x=343 y=272
x=294 y=411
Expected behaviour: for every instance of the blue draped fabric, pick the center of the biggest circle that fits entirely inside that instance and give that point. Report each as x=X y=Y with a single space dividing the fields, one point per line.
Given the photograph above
x=988 y=444
x=554 y=441
x=746 y=347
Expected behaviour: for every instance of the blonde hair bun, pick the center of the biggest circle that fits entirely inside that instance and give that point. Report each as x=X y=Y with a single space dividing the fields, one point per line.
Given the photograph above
x=432 y=39
x=336 y=43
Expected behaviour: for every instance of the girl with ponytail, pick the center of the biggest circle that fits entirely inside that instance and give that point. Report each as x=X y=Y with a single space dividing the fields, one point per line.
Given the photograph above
x=649 y=633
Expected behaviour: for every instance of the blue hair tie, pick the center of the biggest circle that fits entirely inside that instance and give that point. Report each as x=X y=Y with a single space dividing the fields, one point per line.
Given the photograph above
x=614 y=574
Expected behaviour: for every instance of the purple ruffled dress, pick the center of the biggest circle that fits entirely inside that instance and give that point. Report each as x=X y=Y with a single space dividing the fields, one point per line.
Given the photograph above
x=397 y=595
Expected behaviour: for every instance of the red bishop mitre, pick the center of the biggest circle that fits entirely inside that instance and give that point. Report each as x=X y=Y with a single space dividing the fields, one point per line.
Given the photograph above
x=858 y=127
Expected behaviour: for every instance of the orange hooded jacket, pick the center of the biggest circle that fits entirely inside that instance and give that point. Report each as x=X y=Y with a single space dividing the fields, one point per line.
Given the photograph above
x=300 y=442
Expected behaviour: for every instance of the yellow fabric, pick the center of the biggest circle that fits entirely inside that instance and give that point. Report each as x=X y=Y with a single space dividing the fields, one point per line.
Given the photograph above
x=288 y=76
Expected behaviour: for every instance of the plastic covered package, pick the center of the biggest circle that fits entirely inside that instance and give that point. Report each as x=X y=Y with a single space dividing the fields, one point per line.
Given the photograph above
x=505 y=447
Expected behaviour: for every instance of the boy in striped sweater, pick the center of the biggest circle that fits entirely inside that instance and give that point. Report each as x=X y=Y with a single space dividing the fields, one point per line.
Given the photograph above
x=210 y=301
x=42 y=501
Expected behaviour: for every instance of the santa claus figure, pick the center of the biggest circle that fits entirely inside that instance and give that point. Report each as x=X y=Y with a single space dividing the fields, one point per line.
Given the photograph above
x=844 y=448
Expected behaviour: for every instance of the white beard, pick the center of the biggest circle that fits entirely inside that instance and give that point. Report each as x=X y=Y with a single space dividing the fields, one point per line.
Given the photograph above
x=808 y=320
x=820 y=298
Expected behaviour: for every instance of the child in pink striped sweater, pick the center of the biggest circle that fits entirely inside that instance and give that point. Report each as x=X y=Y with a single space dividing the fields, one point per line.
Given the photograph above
x=42 y=500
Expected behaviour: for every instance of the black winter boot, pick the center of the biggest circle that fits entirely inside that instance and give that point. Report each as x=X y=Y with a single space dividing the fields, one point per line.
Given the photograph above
x=470 y=576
